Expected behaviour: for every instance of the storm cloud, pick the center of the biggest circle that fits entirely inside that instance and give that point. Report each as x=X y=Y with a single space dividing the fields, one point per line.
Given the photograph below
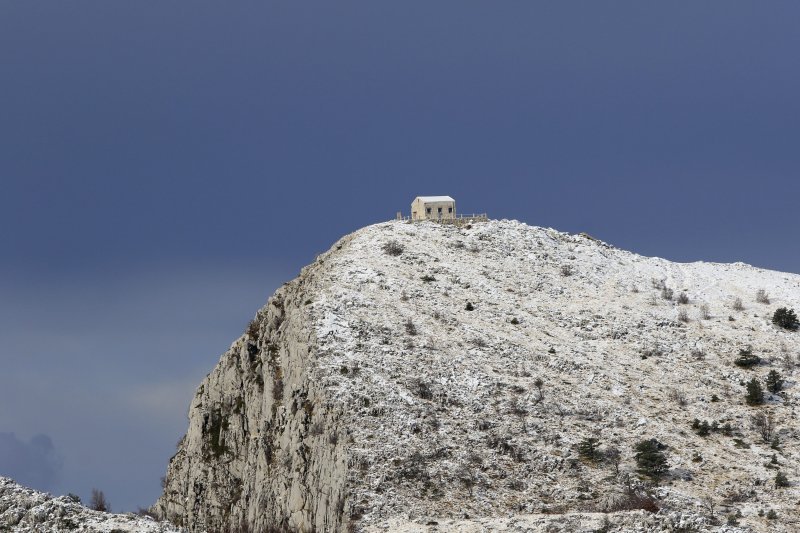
x=34 y=463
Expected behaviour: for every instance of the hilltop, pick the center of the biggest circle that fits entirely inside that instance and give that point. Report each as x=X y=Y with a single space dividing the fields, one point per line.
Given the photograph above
x=23 y=509
x=420 y=376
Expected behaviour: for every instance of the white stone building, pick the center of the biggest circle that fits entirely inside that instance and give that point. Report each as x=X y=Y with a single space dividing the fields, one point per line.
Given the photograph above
x=433 y=208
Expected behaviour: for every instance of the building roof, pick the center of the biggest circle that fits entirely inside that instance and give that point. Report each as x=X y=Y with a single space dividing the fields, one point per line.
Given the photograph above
x=435 y=198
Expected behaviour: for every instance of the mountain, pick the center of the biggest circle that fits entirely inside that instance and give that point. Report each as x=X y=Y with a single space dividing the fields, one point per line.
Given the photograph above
x=23 y=509
x=421 y=376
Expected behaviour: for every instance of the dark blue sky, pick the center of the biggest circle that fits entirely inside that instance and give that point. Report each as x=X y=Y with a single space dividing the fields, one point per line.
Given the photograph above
x=165 y=165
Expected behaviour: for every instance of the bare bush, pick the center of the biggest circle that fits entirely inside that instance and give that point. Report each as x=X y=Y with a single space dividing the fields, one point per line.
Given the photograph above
x=737 y=304
x=393 y=248
x=411 y=329
x=566 y=270
x=683 y=316
x=677 y=396
x=539 y=384
x=99 y=502
x=762 y=297
x=666 y=293
x=765 y=425
x=634 y=500
x=613 y=456
x=705 y=313
x=683 y=298
x=479 y=342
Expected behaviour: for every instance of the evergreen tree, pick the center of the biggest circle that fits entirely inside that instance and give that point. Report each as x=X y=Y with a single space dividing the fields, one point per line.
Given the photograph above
x=774 y=382
x=785 y=318
x=781 y=480
x=755 y=393
x=747 y=358
x=650 y=460
x=588 y=449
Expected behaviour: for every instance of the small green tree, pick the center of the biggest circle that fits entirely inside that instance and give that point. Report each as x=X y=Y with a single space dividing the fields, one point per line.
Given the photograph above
x=774 y=382
x=755 y=393
x=588 y=449
x=747 y=358
x=650 y=460
x=785 y=318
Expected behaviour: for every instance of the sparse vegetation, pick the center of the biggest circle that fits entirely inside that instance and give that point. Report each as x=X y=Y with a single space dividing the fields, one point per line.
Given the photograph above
x=701 y=428
x=755 y=393
x=422 y=389
x=737 y=304
x=393 y=248
x=677 y=396
x=410 y=327
x=705 y=313
x=650 y=459
x=566 y=270
x=762 y=297
x=683 y=316
x=774 y=382
x=253 y=328
x=785 y=318
x=683 y=299
x=765 y=425
x=633 y=500
x=746 y=358
x=781 y=480
x=427 y=278
x=666 y=293
x=98 y=502
x=469 y=306
x=589 y=449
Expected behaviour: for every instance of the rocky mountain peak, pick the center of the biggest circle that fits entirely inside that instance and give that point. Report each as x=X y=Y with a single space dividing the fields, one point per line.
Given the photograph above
x=421 y=376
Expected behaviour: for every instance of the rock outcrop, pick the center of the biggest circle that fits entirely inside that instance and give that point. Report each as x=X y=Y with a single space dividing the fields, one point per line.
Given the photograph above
x=23 y=509
x=427 y=377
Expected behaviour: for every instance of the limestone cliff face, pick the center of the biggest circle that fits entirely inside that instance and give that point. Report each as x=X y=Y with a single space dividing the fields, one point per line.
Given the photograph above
x=265 y=448
x=426 y=374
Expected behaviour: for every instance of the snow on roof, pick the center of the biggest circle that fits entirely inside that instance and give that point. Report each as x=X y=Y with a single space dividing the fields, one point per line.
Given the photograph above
x=435 y=198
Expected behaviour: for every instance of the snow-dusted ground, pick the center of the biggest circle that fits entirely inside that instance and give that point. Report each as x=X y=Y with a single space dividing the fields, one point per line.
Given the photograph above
x=23 y=509
x=447 y=422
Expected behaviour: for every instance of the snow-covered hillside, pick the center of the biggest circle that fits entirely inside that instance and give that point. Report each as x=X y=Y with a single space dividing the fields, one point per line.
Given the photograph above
x=23 y=509
x=449 y=374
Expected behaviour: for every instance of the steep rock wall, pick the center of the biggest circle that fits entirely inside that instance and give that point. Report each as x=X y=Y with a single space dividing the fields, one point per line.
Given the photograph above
x=264 y=450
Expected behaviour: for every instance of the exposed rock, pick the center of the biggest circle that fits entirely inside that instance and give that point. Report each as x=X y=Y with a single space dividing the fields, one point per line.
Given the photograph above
x=23 y=509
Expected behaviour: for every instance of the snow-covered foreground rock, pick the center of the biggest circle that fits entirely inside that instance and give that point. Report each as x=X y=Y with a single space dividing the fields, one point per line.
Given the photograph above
x=424 y=377
x=23 y=509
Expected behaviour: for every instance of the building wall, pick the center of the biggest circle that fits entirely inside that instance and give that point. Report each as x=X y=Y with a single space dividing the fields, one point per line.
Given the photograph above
x=421 y=214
